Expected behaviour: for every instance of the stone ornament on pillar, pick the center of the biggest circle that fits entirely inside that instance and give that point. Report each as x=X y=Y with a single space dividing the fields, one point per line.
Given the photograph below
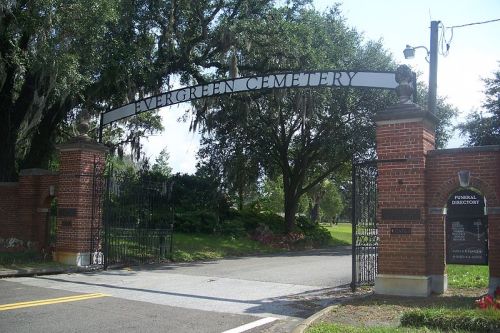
x=404 y=90
x=82 y=127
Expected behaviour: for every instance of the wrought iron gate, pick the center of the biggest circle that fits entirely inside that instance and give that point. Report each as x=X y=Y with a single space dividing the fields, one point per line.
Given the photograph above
x=364 y=224
x=138 y=220
x=96 y=231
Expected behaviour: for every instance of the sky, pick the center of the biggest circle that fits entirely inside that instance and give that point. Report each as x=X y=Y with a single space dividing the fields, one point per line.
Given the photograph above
x=473 y=55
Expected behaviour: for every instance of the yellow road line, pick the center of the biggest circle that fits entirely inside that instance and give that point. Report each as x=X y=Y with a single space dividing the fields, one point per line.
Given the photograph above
x=19 y=305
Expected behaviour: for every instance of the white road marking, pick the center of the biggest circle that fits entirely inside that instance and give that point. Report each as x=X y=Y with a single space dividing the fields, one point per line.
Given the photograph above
x=251 y=325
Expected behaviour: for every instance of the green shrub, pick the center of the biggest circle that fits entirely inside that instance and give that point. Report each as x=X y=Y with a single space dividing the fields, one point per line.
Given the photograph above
x=235 y=228
x=315 y=234
x=304 y=223
x=449 y=320
x=252 y=219
x=196 y=222
x=319 y=236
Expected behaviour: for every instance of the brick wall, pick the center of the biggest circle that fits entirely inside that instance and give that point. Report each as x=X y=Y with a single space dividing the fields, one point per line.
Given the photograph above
x=8 y=212
x=425 y=181
x=24 y=207
x=442 y=181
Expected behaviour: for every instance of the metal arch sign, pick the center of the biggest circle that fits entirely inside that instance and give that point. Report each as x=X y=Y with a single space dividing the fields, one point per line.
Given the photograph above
x=330 y=78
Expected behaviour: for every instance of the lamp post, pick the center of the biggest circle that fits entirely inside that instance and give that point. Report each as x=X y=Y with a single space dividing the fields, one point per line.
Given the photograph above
x=432 y=59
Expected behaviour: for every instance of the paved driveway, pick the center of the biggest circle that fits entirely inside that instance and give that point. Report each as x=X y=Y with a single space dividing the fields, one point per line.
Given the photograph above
x=288 y=287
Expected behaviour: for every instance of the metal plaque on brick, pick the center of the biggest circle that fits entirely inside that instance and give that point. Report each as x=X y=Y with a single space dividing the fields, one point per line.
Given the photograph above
x=400 y=231
x=66 y=212
x=466 y=229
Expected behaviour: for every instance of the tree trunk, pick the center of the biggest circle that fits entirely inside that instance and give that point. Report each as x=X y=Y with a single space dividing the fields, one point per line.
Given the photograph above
x=314 y=212
x=291 y=206
x=240 y=198
x=7 y=153
x=42 y=143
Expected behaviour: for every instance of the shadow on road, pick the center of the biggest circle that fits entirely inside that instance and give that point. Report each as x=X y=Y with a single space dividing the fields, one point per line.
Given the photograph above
x=299 y=305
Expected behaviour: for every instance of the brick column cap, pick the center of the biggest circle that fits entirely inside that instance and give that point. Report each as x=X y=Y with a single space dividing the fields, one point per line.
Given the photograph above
x=82 y=145
x=464 y=150
x=404 y=112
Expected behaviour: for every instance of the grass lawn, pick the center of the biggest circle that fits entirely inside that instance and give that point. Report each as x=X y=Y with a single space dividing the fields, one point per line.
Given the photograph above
x=341 y=234
x=452 y=312
x=191 y=247
x=467 y=276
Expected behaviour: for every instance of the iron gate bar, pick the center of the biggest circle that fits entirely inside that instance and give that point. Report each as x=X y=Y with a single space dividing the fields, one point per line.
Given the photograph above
x=138 y=220
x=370 y=252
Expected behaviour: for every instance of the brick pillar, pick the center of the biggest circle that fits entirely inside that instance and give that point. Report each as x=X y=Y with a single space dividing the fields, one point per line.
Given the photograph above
x=403 y=131
x=81 y=164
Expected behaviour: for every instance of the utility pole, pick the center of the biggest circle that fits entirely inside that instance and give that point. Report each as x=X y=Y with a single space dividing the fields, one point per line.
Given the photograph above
x=433 y=62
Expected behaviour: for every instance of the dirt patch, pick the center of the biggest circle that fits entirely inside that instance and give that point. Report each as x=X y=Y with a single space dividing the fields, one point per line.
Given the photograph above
x=377 y=310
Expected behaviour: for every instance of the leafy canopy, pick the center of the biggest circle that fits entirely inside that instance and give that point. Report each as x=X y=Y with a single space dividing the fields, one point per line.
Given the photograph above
x=483 y=127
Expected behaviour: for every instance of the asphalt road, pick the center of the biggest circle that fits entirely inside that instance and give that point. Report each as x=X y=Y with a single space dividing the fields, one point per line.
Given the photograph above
x=274 y=292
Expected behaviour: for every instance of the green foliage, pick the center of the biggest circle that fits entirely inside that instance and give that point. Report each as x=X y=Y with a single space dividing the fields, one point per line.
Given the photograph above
x=161 y=165
x=272 y=198
x=196 y=222
x=252 y=219
x=26 y=257
x=318 y=236
x=331 y=204
x=450 y=320
x=483 y=128
x=340 y=328
x=467 y=276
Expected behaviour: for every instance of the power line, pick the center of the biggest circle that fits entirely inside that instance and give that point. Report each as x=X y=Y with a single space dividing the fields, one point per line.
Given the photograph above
x=444 y=44
x=473 y=23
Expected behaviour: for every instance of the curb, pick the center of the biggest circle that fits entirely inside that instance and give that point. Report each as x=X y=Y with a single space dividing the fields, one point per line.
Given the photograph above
x=29 y=272
x=304 y=325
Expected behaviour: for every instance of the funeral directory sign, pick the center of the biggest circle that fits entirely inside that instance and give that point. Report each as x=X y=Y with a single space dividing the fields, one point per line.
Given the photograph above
x=466 y=229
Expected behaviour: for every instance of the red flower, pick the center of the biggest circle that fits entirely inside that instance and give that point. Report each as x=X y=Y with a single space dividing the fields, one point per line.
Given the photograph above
x=487 y=302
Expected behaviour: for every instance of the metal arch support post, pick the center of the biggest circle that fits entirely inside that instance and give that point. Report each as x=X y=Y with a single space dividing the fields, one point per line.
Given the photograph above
x=99 y=139
x=353 y=222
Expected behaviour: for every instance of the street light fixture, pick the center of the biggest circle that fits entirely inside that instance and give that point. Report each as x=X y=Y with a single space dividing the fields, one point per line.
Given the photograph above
x=432 y=57
x=409 y=52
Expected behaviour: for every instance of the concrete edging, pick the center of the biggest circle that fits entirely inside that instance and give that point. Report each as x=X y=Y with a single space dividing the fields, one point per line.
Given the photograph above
x=304 y=325
x=29 y=272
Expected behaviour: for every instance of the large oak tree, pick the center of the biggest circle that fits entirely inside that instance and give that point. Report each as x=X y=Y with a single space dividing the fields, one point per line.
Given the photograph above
x=302 y=136
x=60 y=57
